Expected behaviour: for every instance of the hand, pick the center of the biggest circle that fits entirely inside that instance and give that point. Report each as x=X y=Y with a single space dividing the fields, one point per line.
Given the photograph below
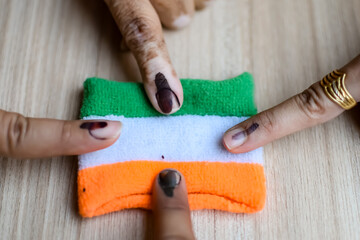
x=22 y=137
x=304 y=110
x=139 y=24
x=172 y=218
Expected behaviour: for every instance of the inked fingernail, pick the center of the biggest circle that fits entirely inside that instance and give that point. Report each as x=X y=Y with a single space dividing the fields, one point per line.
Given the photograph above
x=166 y=98
x=168 y=180
x=102 y=130
x=237 y=136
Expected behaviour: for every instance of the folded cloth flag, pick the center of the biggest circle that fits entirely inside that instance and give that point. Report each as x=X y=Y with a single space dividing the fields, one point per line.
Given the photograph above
x=190 y=140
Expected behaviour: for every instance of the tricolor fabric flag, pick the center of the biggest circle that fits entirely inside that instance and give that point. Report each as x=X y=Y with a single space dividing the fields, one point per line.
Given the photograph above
x=190 y=140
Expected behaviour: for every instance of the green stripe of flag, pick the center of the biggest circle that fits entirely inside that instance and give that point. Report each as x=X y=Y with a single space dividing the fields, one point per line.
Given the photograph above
x=232 y=97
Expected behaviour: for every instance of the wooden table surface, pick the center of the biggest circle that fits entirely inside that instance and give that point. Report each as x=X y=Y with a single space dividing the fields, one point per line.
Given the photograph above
x=48 y=48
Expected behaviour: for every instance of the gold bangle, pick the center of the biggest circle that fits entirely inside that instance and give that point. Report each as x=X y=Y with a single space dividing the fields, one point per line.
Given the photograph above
x=333 y=85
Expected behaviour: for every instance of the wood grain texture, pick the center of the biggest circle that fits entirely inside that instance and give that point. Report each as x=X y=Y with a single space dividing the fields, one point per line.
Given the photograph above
x=48 y=48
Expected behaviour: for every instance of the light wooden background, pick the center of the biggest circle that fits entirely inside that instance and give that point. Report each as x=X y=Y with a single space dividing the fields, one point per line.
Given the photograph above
x=48 y=48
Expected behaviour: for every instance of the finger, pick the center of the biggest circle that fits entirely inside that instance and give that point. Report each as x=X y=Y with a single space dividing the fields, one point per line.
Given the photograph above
x=123 y=46
x=172 y=218
x=201 y=4
x=174 y=14
x=141 y=29
x=304 y=110
x=22 y=137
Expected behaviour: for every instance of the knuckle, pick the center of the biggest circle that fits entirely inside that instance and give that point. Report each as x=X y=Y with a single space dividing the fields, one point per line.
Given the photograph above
x=137 y=31
x=17 y=131
x=66 y=133
x=201 y=4
x=175 y=16
x=267 y=121
x=310 y=103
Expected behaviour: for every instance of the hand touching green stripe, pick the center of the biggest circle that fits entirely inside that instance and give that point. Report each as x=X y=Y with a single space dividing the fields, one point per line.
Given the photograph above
x=232 y=97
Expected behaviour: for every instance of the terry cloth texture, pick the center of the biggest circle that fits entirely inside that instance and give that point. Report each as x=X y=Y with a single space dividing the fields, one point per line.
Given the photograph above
x=121 y=176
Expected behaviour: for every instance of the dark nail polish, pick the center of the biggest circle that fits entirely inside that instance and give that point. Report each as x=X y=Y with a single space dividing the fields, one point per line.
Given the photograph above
x=165 y=97
x=168 y=180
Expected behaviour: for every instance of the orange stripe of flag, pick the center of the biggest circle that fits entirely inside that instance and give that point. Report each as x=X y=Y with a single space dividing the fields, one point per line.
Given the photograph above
x=234 y=187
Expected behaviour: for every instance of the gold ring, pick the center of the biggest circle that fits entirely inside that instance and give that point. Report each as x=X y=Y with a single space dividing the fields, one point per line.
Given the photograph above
x=333 y=85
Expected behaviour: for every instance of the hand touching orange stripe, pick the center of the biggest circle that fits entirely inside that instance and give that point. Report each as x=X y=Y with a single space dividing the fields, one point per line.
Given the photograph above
x=235 y=187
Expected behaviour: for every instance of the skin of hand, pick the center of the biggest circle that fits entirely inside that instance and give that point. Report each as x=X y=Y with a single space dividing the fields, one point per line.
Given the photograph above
x=171 y=210
x=22 y=137
x=304 y=110
x=139 y=22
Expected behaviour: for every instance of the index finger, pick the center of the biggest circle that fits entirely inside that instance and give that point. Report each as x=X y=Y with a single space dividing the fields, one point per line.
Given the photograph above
x=22 y=137
x=304 y=110
x=141 y=28
x=172 y=218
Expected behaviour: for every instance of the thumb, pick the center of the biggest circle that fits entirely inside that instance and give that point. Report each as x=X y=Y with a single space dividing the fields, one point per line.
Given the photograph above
x=22 y=137
x=141 y=28
x=172 y=218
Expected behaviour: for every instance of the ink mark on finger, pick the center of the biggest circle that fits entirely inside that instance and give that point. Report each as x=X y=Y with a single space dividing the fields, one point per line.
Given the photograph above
x=165 y=97
x=239 y=135
x=246 y=132
x=92 y=126
x=252 y=128
x=168 y=180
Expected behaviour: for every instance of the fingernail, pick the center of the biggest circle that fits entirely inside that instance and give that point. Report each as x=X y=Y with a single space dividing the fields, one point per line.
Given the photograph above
x=102 y=130
x=166 y=98
x=236 y=136
x=168 y=180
